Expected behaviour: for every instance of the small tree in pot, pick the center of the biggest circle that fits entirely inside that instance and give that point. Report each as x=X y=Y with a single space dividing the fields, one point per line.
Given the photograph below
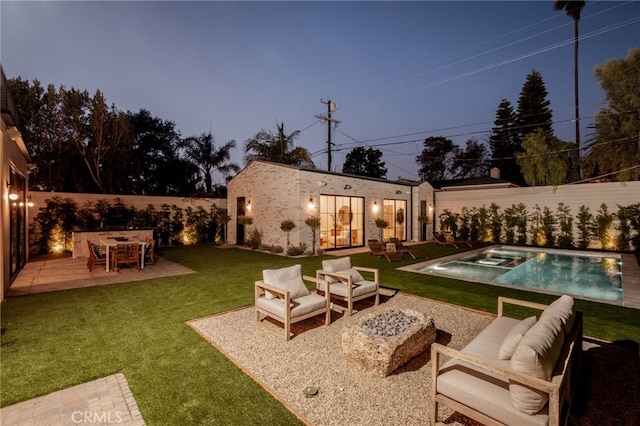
x=381 y=224
x=286 y=226
x=313 y=222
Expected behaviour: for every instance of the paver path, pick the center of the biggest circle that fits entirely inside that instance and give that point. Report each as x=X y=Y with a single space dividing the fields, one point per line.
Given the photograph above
x=103 y=401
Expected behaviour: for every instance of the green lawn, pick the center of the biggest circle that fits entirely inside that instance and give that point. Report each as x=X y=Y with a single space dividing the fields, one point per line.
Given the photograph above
x=56 y=340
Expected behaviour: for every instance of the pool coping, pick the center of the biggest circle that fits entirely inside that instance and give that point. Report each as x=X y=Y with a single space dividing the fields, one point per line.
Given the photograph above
x=629 y=268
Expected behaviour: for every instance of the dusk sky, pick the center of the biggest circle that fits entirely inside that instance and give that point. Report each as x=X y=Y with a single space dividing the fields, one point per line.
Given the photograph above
x=398 y=72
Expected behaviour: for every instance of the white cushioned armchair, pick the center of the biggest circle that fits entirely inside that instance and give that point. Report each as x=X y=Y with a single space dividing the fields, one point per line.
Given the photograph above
x=346 y=283
x=283 y=296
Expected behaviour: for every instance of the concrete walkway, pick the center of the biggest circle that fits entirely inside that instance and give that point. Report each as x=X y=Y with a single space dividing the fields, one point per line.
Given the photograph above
x=100 y=402
x=64 y=272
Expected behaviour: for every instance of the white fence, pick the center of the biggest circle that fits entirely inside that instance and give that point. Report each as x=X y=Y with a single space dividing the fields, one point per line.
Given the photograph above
x=590 y=195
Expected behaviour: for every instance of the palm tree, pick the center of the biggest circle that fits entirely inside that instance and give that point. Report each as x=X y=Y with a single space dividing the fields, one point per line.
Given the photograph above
x=573 y=9
x=201 y=151
x=277 y=148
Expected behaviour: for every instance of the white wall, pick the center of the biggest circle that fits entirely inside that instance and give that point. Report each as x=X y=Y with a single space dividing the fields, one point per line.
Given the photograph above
x=591 y=195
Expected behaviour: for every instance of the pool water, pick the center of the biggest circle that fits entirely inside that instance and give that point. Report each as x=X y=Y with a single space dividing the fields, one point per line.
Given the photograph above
x=583 y=274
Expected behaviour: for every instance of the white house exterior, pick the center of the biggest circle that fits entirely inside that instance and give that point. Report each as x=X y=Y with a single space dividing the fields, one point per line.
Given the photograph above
x=347 y=206
x=14 y=168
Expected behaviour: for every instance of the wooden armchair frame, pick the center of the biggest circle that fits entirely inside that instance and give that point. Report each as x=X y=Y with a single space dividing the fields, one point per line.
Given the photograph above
x=287 y=319
x=97 y=256
x=348 y=281
x=126 y=254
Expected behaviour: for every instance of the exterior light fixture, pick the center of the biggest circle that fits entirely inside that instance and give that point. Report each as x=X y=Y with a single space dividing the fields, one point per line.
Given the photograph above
x=398 y=192
x=249 y=205
x=347 y=186
x=430 y=207
x=311 y=205
x=29 y=202
x=12 y=194
x=375 y=207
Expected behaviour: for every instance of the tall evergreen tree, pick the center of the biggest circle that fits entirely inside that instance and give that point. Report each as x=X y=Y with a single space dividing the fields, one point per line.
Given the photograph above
x=533 y=106
x=470 y=161
x=505 y=143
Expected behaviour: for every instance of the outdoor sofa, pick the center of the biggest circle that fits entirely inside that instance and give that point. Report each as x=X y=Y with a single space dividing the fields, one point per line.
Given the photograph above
x=514 y=372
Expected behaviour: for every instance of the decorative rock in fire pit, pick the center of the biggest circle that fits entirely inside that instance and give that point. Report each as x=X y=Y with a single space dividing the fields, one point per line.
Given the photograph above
x=385 y=340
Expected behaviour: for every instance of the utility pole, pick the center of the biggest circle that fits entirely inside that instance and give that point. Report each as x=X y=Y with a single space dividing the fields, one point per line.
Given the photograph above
x=331 y=106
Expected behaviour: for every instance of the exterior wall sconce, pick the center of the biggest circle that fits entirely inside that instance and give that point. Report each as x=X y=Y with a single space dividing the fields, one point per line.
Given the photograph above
x=347 y=186
x=12 y=194
x=311 y=205
x=29 y=202
x=249 y=205
x=322 y=183
x=398 y=192
x=430 y=207
x=375 y=207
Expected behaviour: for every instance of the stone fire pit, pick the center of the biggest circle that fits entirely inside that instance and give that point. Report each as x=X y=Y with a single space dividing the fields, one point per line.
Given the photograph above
x=385 y=340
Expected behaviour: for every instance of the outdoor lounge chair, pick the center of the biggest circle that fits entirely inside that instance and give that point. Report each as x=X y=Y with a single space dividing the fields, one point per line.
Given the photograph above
x=344 y=281
x=438 y=238
x=283 y=296
x=97 y=256
x=376 y=249
x=402 y=249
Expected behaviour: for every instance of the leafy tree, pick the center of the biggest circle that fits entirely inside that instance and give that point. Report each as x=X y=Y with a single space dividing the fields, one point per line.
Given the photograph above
x=156 y=168
x=365 y=162
x=548 y=226
x=533 y=106
x=278 y=148
x=313 y=222
x=546 y=160
x=202 y=153
x=472 y=161
x=573 y=10
x=505 y=143
x=436 y=158
x=495 y=220
x=565 y=220
x=585 y=229
x=614 y=150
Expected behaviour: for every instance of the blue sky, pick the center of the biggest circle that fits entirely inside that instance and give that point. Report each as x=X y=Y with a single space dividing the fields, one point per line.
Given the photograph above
x=398 y=72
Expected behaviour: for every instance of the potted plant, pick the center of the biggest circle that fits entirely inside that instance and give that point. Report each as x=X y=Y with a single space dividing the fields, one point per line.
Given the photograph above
x=313 y=222
x=286 y=226
x=381 y=224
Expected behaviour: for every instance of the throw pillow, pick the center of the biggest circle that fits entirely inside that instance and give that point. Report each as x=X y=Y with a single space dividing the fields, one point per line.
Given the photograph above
x=513 y=337
x=355 y=275
x=289 y=278
x=335 y=265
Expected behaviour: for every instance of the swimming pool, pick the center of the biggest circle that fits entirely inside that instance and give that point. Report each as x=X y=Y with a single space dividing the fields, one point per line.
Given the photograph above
x=586 y=275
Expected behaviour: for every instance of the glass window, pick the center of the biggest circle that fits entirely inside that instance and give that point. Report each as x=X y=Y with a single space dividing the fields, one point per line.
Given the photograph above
x=395 y=214
x=341 y=221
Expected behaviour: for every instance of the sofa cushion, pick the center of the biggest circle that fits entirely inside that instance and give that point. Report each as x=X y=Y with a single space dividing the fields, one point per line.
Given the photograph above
x=536 y=355
x=561 y=308
x=289 y=279
x=335 y=265
x=340 y=289
x=513 y=337
x=310 y=303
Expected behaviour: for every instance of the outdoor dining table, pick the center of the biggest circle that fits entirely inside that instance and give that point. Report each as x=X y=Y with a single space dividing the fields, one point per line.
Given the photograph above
x=112 y=243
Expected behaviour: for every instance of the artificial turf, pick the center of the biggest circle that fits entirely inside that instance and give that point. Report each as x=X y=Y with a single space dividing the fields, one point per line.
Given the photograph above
x=60 y=339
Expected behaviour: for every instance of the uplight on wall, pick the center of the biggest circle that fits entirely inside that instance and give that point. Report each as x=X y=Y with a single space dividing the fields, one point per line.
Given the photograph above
x=249 y=205
x=311 y=205
x=375 y=207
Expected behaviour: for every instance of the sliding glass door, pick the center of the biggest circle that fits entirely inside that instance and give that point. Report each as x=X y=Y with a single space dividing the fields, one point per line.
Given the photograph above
x=341 y=221
x=395 y=214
